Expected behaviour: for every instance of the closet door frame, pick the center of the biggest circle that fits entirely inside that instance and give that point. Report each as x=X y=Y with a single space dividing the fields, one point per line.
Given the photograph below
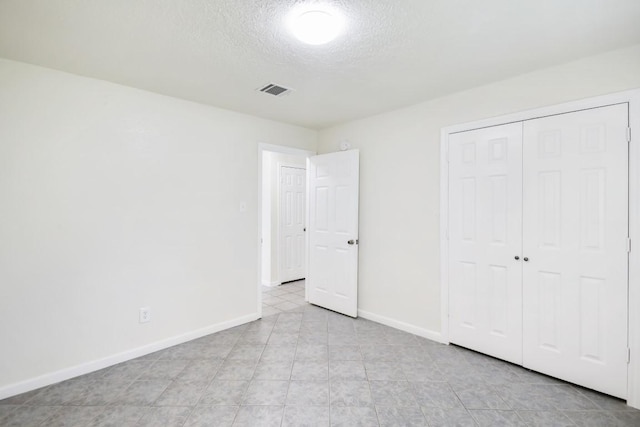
x=633 y=99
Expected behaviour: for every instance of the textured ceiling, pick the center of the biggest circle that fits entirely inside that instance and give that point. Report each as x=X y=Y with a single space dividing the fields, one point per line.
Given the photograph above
x=393 y=53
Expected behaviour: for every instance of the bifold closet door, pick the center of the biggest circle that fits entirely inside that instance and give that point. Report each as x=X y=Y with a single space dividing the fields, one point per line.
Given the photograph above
x=575 y=186
x=485 y=236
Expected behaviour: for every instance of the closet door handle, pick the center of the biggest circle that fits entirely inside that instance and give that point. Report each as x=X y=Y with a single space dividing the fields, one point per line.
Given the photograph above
x=517 y=257
x=526 y=258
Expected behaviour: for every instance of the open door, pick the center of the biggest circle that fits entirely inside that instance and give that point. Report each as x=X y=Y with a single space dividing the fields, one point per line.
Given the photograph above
x=332 y=277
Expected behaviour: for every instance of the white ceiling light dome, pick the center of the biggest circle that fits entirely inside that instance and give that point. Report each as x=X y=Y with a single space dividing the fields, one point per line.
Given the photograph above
x=316 y=24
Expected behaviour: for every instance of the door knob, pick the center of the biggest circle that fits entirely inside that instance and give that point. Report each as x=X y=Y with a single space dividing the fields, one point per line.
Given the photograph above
x=517 y=257
x=352 y=242
x=526 y=259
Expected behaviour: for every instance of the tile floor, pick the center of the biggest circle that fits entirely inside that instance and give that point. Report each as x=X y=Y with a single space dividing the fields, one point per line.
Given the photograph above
x=312 y=367
x=276 y=299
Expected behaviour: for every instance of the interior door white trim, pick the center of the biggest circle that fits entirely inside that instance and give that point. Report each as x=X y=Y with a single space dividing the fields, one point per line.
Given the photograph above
x=633 y=98
x=262 y=147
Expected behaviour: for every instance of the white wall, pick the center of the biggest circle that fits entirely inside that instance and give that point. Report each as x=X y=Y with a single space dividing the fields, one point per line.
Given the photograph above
x=112 y=199
x=399 y=178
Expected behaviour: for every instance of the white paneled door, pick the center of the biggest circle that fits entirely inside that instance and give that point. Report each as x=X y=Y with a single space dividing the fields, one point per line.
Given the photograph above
x=292 y=220
x=575 y=244
x=332 y=277
x=485 y=237
x=538 y=244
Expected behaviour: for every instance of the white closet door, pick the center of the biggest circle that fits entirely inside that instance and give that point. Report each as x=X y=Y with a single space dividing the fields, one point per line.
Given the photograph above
x=575 y=178
x=485 y=236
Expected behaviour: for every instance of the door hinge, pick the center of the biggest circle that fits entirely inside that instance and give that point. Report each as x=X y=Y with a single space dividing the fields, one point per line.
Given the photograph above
x=628 y=134
x=628 y=245
x=628 y=355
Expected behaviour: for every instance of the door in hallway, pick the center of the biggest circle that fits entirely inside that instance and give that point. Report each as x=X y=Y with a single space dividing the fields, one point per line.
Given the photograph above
x=292 y=223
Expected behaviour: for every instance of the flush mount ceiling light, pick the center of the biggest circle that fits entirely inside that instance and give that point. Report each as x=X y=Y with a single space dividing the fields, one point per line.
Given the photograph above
x=315 y=25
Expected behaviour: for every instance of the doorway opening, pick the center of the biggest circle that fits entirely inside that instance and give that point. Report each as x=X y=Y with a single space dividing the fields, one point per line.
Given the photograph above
x=282 y=218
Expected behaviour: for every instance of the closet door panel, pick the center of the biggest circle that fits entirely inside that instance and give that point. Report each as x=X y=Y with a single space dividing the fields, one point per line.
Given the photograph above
x=575 y=207
x=485 y=235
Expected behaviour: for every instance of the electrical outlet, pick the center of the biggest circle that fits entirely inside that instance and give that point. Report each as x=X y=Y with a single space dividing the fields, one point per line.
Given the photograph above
x=145 y=314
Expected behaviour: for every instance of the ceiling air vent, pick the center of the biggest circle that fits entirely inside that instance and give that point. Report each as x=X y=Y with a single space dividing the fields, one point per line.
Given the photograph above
x=274 y=89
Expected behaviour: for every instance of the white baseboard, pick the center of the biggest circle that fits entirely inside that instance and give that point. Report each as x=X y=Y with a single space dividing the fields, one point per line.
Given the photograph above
x=85 y=368
x=397 y=324
x=272 y=284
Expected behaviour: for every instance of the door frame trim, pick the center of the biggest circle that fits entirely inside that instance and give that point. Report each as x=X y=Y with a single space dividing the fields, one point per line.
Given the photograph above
x=632 y=97
x=280 y=149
